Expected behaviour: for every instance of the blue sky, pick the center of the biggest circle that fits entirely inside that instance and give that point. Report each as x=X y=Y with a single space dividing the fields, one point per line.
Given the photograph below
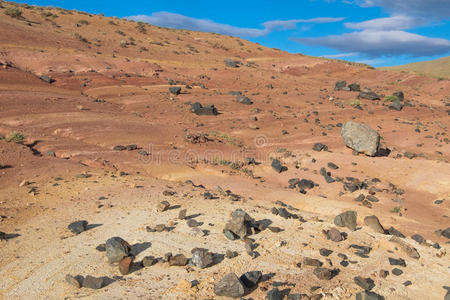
x=377 y=32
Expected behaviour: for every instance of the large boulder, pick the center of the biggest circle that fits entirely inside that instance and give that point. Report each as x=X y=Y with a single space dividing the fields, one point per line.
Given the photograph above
x=346 y=219
x=340 y=85
x=360 y=138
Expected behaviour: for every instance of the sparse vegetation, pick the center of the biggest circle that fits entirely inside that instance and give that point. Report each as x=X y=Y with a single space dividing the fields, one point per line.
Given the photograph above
x=390 y=98
x=81 y=38
x=141 y=27
x=83 y=22
x=16 y=137
x=13 y=12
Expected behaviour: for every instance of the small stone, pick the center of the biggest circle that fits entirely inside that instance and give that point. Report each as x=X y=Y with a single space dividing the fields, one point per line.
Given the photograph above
x=274 y=294
x=407 y=283
x=148 y=261
x=163 y=206
x=319 y=147
x=182 y=214
x=230 y=254
x=160 y=227
x=383 y=273
x=101 y=247
x=332 y=166
x=275 y=229
x=124 y=265
x=73 y=281
x=325 y=252
x=366 y=295
x=365 y=283
x=360 y=198
x=323 y=273
x=276 y=165
x=312 y=262
x=395 y=232
x=78 y=226
x=229 y=286
x=92 y=282
x=418 y=238
x=397 y=262
x=397 y=272
x=334 y=235
x=178 y=260
x=193 y=223
x=175 y=90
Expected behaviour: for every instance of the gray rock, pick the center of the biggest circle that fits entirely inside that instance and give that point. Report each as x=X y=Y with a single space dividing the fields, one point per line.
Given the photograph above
x=354 y=87
x=148 y=261
x=208 y=110
x=368 y=296
x=162 y=206
x=397 y=262
x=368 y=94
x=78 y=226
x=334 y=235
x=395 y=232
x=400 y=96
x=346 y=219
x=397 y=272
x=92 y=282
x=325 y=252
x=319 y=147
x=73 y=280
x=373 y=223
x=276 y=165
x=446 y=233
x=182 y=214
x=365 y=283
x=202 y=258
x=251 y=279
x=274 y=294
x=240 y=224
x=178 y=260
x=307 y=261
x=229 y=286
x=340 y=85
x=117 y=249
x=47 y=79
x=175 y=90
x=396 y=105
x=418 y=238
x=243 y=100
x=232 y=63
x=332 y=166
x=323 y=273
x=360 y=138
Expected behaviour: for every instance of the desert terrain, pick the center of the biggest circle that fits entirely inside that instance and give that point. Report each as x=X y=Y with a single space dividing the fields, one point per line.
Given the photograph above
x=97 y=125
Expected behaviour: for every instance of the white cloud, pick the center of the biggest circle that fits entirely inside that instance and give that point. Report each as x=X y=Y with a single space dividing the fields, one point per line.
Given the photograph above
x=382 y=43
x=390 y=23
x=438 y=9
x=340 y=55
x=172 y=20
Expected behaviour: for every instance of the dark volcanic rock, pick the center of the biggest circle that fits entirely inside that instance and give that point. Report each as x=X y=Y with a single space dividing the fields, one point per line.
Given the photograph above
x=307 y=261
x=395 y=232
x=117 y=249
x=175 y=90
x=396 y=105
x=208 y=110
x=354 y=87
x=368 y=94
x=202 y=258
x=277 y=166
x=229 y=286
x=232 y=63
x=251 y=279
x=319 y=147
x=78 y=226
x=397 y=262
x=47 y=79
x=368 y=296
x=365 y=283
x=340 y=85
x=400 y=96
x=323 y=273
x=239 y=226
x=274 y=294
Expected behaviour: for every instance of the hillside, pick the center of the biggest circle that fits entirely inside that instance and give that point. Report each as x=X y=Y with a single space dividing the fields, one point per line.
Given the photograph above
x=438 y=68
x=98 y=123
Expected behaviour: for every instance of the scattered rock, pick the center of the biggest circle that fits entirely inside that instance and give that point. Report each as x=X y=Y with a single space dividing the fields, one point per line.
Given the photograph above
x=124 y=265
x=175 y=90
x=73 y=281
x=47 y=79
x=251 y=279
x=232 y=63
x=325 y=252
x=319 y=147
x=368 y=94
x=334 y=235
x=243 y=100
x=418 y=238
x=360 y=138
x=148 y=261
x=340 y=85
x=182 y=214
x=92 y=282
x=117 y=249
x=354 y=87
x=323 y=273
x=208 y=110
x=373 y=223
x=276 y=165
x=202 y=258
x=397 y=272
x=229 y=286
x=346 y=219
x=396 y=105
x=78 y=226
x=307 y=261
x=274 y=294
x=365 y=283
x=178 y=260
x=368 y=296
x=162 y=206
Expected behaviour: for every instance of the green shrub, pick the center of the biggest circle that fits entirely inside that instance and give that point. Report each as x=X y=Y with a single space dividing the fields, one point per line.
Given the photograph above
x=16 y=137
x=13 y=12
x=390 y=98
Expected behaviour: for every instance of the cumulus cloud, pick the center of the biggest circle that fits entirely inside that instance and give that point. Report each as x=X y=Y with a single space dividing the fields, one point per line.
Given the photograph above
x=438 y=9
x=172 y=20
x=390 y=23
x=341 y=55
x=375 y=43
